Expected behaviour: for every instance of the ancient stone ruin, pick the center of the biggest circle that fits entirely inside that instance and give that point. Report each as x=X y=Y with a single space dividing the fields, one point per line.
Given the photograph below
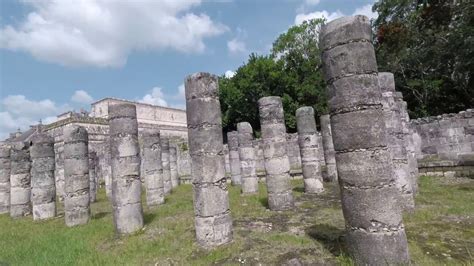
x=234 y=158
x=20 y=180
x=375 y=231
x=5 y=163
x=152 y=169
x=248 y=168
x=277 y=164
x=76 y=176
x=173 y=167
x=213 y=222
x=93 y=182
x=165 y=162
x=125 y=154
x=328 y=147
x=309 y=146
x=43 y=188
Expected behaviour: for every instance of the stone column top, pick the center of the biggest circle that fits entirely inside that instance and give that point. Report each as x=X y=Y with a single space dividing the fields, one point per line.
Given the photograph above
x=204 y=85
x=306 y=122
x=344 y=30
x=75 y=134
x=122 y=110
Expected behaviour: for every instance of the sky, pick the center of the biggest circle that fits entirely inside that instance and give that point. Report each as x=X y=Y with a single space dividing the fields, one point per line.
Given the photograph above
x=61 y=55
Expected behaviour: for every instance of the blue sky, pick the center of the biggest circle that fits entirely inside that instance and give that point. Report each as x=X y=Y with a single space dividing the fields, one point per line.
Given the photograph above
x=61 y=55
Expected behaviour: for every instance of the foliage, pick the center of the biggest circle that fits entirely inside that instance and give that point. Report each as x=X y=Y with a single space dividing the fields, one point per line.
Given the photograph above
x=429 y=46
x=291 y=71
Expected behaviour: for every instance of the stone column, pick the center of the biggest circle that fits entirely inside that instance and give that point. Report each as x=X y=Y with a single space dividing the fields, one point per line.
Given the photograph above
x=328 y=147
x=152 y=169
x=397 y=137
x=125 y=157
x=5 y=163
x=234 y=158
x=213 y=222
x=260 y=161
x=43 y=188
x=76 y=174
x=20 y=180
x=309 y=147
x=369 y=196
x=410 y=143
x=92 y=176
x=248 y=170
x=59 y=166
x=293 y=150
x=174 y=167
x=165 y=162
x=226 y=160
x=277 y=164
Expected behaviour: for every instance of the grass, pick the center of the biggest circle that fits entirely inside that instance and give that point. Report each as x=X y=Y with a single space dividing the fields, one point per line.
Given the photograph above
x=440 y=232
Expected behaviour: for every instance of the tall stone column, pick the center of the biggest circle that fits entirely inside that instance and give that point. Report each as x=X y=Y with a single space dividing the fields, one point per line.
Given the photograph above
x=76 y=174
x=293 y=150
x=234 y=158
x=328 y=147
x=375 y=231
x=92 y=176
x=59 y=167
x=125 y=156
x=20 y=180
x=409 y=142
x=213 y=222
x=248 y=168
x=165 y=162
x=260 y=161
x=309 y=148
x=397 y=137
x=43 y=188
x=5 y=165
x=174 y=167
x=277 y=164
x=152 y=169
x=226 y=160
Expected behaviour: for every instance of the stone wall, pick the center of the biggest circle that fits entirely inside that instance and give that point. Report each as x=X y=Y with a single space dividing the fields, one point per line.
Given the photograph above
x=446 y=144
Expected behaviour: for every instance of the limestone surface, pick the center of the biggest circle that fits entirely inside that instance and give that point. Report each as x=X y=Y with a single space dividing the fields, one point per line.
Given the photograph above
x=234 y=157
x=369 y=195
x=152 y=169
x=165 y=162
x=93 y=176
x=277 y=164
x=5 y=165
x=125 y=156
x=20 y=180
x=43 y=189
x=213 y=222
x=309 y=147
x=248 y=162
x=76 y=175
x=328 y=147
x=173 y=167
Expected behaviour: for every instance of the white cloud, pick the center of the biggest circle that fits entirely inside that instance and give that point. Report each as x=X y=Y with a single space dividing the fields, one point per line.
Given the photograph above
x=103 y=33
x=366 y=11
x=82 y=97
x=156 y=97
x=229 y=74
x=300 y=18
x=311 y=2
x=236 y=46
x=181 y=92
x=20 y=112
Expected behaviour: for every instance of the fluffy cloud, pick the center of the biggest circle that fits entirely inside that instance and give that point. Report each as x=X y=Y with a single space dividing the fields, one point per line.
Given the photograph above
x=311 y=2
x=236 y=46
x=20 y=112
x=82 y=97
x=103 y=33
x=366 y=11
x=229 y=74
x=155 y=97
x=300 y=18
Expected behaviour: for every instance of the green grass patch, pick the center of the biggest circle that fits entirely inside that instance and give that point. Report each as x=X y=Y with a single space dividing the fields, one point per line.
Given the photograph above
x=440 y=232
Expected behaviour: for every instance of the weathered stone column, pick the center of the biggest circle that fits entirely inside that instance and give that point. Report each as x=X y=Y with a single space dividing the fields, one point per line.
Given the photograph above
x=213 y=221
x=165 y=162
x=59 y=167
x=277 y=164
x=174 y=167
x=409 y=143
x=92 y=176
x=5 y=163
x=234 y=158
x=397 y=137
x=309 y=148
x=152 y=169
x=76 y=174
x=248 y=170
x=260 y=161
x=375 y=231
x=328 y=147
x=20 y=180
x=43 y=188
x=293 y=150
x=125 y=155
